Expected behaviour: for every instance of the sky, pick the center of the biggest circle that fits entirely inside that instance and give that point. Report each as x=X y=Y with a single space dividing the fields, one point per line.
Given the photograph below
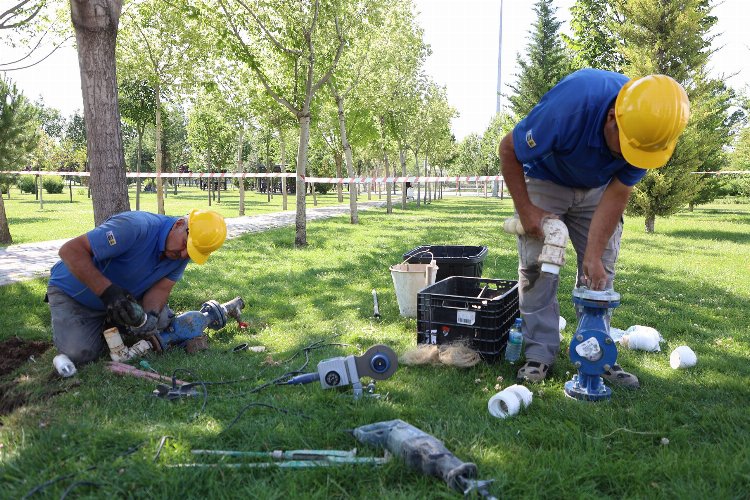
x=463 y=35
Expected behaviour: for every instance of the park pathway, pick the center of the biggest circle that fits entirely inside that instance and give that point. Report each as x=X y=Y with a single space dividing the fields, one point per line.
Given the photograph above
x=34 y=260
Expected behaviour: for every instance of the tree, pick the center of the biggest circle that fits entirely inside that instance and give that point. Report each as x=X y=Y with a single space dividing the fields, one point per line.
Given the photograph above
x=594 y=43
x=156 y=45
x=292 y=51
x=96 y=24
x=211 y=137
x=138 y=106
x=547 y=61
x=18 y=138
x=671 y=37
x=20 y=13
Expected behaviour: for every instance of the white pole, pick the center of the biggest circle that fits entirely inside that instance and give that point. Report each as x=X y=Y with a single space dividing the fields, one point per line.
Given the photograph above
x=499 y=59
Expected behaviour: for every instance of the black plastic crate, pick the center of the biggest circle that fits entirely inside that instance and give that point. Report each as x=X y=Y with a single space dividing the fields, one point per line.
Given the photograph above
x=452 y=260
x=477 y=310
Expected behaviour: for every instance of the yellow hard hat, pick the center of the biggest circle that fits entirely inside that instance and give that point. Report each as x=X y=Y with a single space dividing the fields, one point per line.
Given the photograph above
x=206 y=232
x=651 y=113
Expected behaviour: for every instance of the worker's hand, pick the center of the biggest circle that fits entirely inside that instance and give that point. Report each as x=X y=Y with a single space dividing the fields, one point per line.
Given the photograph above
x=122 y=307
x=148 y=328
x=532 y=220
x=594 y=275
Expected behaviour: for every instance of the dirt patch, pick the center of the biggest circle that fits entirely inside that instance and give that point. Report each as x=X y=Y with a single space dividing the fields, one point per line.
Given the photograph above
x=14 y=352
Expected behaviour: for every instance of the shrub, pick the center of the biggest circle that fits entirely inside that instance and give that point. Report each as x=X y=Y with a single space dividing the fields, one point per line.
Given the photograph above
x=53 y=184
x=27 y=184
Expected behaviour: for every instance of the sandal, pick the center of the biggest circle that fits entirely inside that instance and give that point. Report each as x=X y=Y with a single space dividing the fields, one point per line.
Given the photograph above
x=618 y=376
x=532 y=371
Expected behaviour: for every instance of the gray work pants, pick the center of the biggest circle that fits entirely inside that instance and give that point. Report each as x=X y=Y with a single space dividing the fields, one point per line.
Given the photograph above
x=538 y=291
x=77 y=330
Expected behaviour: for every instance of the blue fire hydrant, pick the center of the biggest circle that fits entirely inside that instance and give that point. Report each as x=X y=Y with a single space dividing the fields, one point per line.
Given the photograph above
x=592 y=350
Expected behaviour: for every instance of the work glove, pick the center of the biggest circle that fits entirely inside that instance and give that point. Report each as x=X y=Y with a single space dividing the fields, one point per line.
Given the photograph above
x=149 y=327
x=122 y=307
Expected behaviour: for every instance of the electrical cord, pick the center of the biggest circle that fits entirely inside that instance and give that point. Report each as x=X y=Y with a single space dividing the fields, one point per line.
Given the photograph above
x=36 y=489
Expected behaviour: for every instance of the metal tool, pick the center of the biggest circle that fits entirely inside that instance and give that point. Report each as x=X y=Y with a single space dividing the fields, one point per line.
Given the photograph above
x=173 y=392
x=292 y=459
x=376 y=309
x=379 y=363
x=425 y=453
x=592 y=350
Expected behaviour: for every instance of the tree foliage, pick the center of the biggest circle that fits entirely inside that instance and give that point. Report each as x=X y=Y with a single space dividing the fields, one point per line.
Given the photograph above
x=18 y=138
x=546 y=60
x=594 y=42
x=672 y=37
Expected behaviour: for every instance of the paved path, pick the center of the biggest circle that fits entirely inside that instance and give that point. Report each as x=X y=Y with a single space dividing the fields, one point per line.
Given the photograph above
x=34 y=260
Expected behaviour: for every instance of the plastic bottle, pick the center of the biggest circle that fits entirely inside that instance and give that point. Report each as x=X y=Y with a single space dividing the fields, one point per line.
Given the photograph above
x=515 y=342
x=64 y=365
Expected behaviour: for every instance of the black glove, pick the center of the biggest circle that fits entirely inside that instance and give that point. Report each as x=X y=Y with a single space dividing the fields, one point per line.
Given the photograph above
x=122 y=307
x=147 y=328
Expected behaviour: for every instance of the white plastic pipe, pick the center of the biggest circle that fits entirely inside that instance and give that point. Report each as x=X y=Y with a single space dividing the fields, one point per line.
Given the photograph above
x=682 y=357
x=508 y=402
x=118 y=351
x=643 y=338
x=552 y=257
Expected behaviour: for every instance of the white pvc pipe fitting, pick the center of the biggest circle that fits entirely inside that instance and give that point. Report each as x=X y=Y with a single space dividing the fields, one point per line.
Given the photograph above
x=508 y=402
x=682 y=357
x=642 y=338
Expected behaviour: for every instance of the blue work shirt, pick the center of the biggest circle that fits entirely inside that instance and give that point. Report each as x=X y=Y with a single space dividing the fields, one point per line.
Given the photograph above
x=562 y=138
x=128 y=249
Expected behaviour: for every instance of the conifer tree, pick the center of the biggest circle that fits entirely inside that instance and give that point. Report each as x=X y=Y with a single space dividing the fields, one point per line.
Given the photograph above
x=18 y=138
x=546 y=60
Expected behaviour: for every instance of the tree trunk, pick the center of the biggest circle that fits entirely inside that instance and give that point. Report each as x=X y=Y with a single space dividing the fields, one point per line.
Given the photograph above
x=240 y=169
x=419 y=184
x=388 y=205
x=650 y=221
x=41 y=195
x=138 y=170
x=96 y=25
x=300 y=221
x=353 y=214
x=5 y=238
x=282 y=153
x=339 y=185
x=159 y=153
x=402 y=159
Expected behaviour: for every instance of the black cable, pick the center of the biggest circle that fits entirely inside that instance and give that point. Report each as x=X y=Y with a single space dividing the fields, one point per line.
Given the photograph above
x=79 y=483
x=52 y=481
x=191 y=384
x=266 y=405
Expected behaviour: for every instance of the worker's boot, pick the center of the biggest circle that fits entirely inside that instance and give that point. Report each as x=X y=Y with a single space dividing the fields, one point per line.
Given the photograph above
x=616 y=375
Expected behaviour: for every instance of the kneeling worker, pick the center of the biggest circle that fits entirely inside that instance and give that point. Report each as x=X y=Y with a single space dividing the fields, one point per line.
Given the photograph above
x=128 y=265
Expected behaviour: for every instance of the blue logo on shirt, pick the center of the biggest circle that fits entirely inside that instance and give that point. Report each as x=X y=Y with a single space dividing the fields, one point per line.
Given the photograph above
x=111 y=238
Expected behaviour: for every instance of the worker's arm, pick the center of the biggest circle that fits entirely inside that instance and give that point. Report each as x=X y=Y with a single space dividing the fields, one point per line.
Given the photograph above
x=121 y=306
x=531 y=216
x=157 y=296
x=78 y=258
x=606 y=217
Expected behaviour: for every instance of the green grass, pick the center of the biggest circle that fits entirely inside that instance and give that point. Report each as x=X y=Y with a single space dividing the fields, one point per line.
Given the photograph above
x=60 y=218
x=690 y=281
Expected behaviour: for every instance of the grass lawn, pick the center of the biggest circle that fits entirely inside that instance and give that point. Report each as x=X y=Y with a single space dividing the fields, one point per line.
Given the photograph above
x=60 y=218
x=690 y=281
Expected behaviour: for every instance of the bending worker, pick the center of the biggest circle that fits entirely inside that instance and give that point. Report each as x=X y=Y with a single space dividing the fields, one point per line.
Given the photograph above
x=121 y=274
x=576 y=157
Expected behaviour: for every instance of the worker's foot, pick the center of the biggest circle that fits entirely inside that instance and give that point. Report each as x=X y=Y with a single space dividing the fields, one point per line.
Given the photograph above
x=618 y=376
x=532 y=371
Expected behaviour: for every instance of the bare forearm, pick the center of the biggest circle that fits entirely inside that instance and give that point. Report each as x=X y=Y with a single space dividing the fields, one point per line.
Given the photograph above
x=606 y=217
x=77 y=256
x=157 y=296
x=513 y=175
